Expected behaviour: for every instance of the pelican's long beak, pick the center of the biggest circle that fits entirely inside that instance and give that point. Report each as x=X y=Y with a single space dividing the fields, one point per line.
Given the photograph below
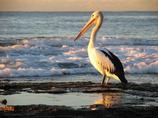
x=85 y=28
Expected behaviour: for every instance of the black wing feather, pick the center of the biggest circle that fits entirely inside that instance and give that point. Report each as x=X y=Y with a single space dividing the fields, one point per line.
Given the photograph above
x=117 y=64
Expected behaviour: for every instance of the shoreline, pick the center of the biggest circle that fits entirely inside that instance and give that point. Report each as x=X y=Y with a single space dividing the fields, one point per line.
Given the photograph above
x=79 y=99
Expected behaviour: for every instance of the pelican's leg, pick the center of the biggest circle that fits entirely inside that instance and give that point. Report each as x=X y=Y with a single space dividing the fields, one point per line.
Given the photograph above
x=103 y=80
x=107 y=80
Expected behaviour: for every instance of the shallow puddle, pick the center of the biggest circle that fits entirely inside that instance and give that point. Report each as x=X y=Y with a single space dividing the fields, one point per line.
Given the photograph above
x=77 y=99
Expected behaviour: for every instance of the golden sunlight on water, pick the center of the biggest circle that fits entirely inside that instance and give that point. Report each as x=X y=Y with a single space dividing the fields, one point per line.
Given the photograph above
x=2 y=66
x=109 y=99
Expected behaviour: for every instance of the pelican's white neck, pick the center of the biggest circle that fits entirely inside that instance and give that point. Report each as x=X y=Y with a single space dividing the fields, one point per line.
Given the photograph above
x=92 y=38
x=93 y=34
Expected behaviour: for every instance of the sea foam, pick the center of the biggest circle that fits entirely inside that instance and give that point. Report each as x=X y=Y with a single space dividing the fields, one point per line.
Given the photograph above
x=50 y=56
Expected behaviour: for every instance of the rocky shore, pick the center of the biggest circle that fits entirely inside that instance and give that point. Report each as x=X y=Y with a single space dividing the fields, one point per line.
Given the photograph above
x=146 y=93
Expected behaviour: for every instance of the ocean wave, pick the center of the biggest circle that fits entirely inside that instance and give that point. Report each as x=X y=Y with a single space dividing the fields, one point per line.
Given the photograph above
x=30 y=72
x=128 y=41
x=49 y=56
x=140 y=68
x=58 y=41
x=143 y=68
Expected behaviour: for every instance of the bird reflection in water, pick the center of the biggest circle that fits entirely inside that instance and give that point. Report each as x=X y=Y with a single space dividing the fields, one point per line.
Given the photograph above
x=109 y=100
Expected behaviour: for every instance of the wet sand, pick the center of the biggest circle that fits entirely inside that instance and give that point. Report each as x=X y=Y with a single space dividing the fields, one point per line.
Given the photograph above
x=79 y=99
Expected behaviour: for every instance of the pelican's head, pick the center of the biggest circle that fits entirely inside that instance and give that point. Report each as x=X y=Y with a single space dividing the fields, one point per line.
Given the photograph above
x=95 y=20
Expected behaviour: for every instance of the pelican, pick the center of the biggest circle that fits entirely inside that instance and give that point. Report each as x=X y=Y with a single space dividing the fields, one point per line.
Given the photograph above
x=105 y=62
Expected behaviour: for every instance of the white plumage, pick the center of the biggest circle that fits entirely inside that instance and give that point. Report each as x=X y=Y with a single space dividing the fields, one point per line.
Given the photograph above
x=100 y=61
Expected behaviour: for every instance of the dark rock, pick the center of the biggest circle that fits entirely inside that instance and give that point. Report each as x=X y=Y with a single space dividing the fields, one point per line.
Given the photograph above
x=44 y=111
x=4 y=101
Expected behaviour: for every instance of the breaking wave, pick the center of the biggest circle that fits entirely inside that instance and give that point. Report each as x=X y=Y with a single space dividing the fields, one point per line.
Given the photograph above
x=50 y=56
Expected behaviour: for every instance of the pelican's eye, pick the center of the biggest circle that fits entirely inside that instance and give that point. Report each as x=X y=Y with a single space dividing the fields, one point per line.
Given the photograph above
x=92 y=15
